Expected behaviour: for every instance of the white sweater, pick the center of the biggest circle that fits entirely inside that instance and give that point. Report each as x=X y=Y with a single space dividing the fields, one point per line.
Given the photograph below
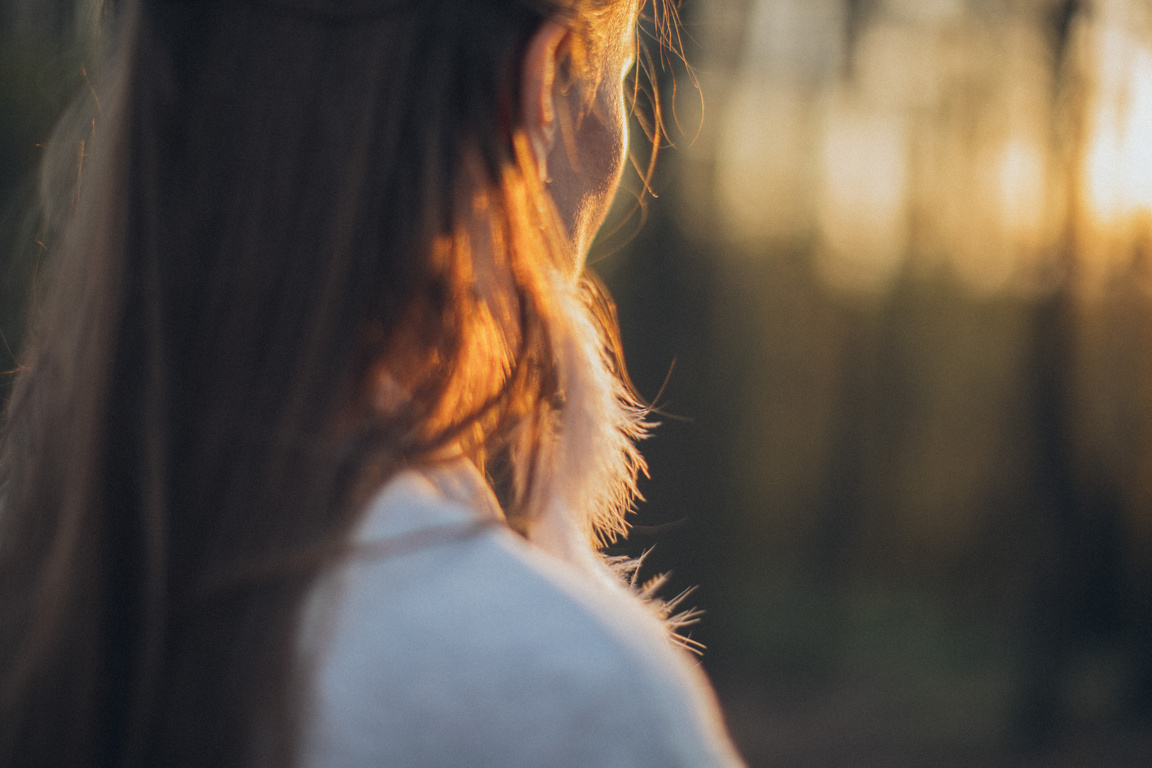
x=452 y=642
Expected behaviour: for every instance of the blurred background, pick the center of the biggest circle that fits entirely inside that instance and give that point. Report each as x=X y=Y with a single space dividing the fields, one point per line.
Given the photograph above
x=894 y=302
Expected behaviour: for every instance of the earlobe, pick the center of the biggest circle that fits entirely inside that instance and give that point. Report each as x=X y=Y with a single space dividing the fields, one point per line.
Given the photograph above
x=542 y=143
x=538 y=90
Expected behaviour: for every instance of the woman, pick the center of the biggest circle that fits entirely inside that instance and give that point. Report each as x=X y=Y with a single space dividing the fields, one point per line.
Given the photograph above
x=315 y=305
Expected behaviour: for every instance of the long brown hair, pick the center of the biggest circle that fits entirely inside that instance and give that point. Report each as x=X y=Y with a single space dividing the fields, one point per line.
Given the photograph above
x=262 y=302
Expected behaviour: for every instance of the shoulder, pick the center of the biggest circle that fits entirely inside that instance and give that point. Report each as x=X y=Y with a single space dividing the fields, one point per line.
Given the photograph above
x=480 y=650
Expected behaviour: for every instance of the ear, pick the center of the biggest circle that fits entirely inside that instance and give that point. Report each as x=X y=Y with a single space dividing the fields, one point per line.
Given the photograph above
x=538 y=90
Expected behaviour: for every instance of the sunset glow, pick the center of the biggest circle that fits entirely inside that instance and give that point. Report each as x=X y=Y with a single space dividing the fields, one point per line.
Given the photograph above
x=863 y=198
x=938 y=144
x=1020 y=185
x=1118 y=158
x=762 y=187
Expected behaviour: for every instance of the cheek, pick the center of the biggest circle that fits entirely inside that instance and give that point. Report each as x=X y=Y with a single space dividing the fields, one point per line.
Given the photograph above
x=605 y=135
x=585 y=167
x=618 y=127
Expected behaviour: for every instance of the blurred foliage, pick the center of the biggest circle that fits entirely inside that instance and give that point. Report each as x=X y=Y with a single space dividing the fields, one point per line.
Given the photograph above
x=902 y=271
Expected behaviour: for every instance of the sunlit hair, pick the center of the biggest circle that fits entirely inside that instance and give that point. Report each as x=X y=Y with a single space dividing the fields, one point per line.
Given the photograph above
x=267 y=294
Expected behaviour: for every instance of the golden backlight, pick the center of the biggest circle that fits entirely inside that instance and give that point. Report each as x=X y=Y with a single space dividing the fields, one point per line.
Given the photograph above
x=1119 y=154
x=863 y=195
x=932 y=140
x=1021 y=171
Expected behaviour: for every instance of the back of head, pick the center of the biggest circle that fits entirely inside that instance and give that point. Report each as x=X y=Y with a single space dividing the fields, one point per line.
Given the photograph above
x=308 y=245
